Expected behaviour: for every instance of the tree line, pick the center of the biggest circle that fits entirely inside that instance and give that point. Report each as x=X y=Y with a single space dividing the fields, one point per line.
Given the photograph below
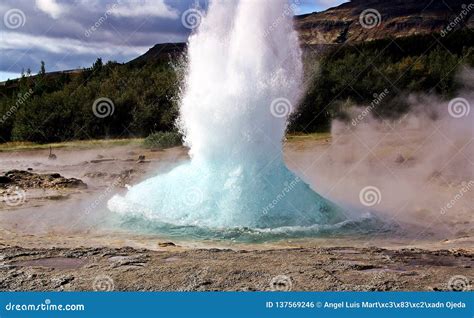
x=52 y=107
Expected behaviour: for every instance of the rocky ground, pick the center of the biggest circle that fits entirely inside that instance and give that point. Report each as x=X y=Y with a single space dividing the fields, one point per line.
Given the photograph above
x=27 y=180
x=310 y=269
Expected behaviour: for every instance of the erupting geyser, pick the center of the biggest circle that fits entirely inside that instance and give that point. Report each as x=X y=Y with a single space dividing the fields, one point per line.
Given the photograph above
x=244 y=74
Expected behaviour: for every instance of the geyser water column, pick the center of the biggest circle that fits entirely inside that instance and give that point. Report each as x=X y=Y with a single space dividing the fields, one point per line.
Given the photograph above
x=244 y=74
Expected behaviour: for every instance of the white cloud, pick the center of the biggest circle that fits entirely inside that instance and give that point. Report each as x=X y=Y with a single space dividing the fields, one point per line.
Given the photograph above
x=331 y=3
x=20 y=41
x=50 y=7
x=8 y=75
x=137 y=8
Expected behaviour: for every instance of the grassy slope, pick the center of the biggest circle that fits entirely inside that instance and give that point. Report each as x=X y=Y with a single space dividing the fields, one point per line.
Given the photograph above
x=79 y=144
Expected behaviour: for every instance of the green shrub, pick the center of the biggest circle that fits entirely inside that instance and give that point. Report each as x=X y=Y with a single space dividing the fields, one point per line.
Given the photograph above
x=146 y=94
x=163 y=140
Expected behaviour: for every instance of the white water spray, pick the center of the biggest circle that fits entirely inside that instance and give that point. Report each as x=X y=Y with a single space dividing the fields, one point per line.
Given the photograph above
x=244 y=78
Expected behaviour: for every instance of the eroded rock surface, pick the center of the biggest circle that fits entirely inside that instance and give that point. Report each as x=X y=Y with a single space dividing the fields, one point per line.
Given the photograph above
x=336 y=268
x=28 y=180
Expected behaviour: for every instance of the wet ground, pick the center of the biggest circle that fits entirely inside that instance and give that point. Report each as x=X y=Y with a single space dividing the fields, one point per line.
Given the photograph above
x=55 y=238
x=362 y=269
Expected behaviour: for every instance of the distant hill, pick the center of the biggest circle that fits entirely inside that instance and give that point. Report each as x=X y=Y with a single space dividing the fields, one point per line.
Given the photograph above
x=341 y=24
x=383 y=18
x=159 y=52
x=406 y=53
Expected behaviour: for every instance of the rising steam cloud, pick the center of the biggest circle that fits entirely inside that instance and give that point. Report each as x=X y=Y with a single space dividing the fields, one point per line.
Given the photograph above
x=416 y=170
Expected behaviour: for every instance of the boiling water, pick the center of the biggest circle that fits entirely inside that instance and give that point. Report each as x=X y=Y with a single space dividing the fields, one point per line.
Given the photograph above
x=244 y=76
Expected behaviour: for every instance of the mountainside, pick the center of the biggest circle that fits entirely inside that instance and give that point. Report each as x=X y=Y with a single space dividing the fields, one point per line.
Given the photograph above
x=365 y=20
x=159 y=52
x=410 y=52
x=347 y=23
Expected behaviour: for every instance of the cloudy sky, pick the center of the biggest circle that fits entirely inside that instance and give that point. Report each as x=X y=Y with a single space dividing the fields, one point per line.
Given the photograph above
x=69 y=34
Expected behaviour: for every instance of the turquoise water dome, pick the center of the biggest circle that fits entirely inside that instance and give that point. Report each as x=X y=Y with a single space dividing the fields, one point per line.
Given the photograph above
x=243 y=80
